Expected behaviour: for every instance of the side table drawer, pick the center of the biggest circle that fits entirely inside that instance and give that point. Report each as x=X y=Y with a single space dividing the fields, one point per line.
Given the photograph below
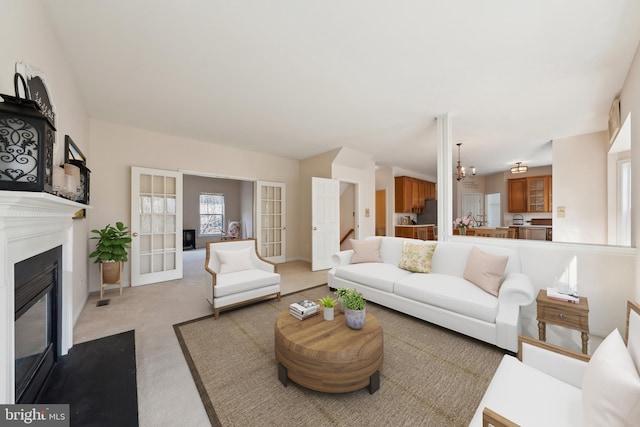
x=563 y=317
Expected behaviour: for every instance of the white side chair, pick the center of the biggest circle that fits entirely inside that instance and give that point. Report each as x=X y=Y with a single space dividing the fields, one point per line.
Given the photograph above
x=238 y=275
x=551 y=386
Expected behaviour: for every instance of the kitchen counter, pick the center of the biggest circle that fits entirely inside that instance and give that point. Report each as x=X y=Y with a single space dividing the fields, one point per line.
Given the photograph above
x=416 y=231
x=534 y=232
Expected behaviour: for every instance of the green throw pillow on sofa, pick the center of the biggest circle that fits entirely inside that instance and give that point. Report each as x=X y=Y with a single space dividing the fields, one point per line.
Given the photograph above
x=417 y=257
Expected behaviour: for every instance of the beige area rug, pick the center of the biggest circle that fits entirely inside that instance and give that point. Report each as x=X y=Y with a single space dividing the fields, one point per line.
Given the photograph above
x=430 y=376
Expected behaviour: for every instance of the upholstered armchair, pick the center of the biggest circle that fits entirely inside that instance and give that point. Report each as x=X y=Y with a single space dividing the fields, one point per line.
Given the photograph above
x=238 y=275
x=551 y=386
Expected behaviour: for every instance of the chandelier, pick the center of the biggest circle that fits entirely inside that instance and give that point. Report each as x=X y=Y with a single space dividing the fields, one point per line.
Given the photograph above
x=518 y=168
x=460 y=170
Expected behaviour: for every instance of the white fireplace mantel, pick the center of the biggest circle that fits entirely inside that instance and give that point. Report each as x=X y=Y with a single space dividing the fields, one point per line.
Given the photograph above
x=31 y=223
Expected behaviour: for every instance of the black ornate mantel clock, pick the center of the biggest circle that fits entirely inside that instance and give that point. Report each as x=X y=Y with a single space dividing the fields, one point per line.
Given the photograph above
x=26 y=144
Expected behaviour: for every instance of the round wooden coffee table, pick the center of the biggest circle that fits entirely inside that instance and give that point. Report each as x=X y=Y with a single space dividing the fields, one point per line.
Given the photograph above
x=329 y=356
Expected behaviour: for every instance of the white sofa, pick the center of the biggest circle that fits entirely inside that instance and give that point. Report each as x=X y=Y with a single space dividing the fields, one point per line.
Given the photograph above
x=238 y=275
x=442 y=297
x=551 y=386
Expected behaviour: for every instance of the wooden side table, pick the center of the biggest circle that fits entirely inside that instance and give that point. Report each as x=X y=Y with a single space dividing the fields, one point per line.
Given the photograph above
x=562 y=313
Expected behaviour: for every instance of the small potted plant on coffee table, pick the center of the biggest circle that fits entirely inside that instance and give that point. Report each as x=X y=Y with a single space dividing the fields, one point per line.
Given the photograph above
x=354 y=309
x=329 y=305
x=340 y=293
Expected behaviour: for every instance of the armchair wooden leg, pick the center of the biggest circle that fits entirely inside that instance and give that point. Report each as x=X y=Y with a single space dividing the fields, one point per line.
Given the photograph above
x=278 y=296
x=216 y=313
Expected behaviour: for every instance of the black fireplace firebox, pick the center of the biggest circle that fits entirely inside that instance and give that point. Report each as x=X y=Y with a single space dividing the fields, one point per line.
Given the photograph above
x=38 y=321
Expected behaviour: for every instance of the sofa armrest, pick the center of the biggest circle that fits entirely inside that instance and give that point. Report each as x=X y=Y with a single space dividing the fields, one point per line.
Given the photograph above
x=516 y=289
x=491 y=418
x=213 y=274
x=342 y=258
x=561 y=363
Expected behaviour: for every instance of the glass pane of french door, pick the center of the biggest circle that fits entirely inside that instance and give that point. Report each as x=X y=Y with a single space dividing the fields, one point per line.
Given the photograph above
x=271 y=220
x=156 y=225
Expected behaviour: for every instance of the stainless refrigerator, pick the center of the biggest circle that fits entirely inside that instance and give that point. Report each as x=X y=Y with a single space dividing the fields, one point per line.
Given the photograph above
x=430 y=213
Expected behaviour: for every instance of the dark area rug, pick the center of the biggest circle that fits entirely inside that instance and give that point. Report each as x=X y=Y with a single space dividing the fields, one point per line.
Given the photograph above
x=98 y=380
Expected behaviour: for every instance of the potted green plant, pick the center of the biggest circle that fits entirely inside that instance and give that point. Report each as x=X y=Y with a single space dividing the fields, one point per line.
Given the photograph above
x=354 y=309
x=340 y=292
x=111 y=251
x=329 y=306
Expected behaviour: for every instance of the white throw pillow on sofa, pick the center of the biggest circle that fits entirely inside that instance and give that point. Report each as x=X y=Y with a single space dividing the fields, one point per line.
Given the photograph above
x=611 y=386
x=237 y=260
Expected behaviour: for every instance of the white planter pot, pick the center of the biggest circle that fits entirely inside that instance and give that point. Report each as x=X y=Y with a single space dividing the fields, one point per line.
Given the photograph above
x=328 y=313
x=355 y=318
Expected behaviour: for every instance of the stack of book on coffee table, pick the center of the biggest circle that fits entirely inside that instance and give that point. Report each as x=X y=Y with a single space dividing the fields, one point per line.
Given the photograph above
x=303 y=309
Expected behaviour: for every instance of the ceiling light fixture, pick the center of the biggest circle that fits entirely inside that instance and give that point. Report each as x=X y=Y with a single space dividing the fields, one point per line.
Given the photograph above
x=518 y=168
x=460 y=171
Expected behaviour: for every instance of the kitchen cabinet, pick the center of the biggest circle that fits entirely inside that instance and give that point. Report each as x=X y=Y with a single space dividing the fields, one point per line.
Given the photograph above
x=531 y=194
x=539 y=194
x=518 y=195
x=411 y=194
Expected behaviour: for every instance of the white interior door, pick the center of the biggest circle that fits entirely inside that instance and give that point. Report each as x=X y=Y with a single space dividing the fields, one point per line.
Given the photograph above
x=156 y=226
x=271 y=220
x=325 y=221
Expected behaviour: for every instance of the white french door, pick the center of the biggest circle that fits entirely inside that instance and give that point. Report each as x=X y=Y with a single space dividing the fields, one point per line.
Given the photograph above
x=156 y=225
x=271 y=224
x=325 y=221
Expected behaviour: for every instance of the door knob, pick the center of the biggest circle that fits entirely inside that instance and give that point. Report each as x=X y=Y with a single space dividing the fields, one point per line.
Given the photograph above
x=315 y=228
x=135 y=234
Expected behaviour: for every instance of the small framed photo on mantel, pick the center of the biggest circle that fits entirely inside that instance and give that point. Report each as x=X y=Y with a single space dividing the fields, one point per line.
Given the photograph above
x=75 y=157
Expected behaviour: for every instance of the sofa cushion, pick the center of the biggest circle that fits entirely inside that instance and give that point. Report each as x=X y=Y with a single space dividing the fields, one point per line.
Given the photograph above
x=391 y=249
x=450 y=293
x=245 y=280
x=375 y=275
x=416 y=257
x=529 y=397
x=366 y=250
x=485 y=270
x=235 y=260
x=611 y=386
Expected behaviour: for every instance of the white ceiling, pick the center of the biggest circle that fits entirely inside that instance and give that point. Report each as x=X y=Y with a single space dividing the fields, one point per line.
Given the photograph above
x=297 y=78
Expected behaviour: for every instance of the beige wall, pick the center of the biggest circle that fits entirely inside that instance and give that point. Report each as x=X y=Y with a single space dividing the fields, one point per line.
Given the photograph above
x=121 y=147
x=347 y=219
x=359 y=168
x=385 y=181
x=27 y=37
x=580 y=186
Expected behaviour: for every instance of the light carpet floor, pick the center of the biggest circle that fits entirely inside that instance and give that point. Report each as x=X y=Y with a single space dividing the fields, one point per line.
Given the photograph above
x=430 y=376
x=167 y=395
